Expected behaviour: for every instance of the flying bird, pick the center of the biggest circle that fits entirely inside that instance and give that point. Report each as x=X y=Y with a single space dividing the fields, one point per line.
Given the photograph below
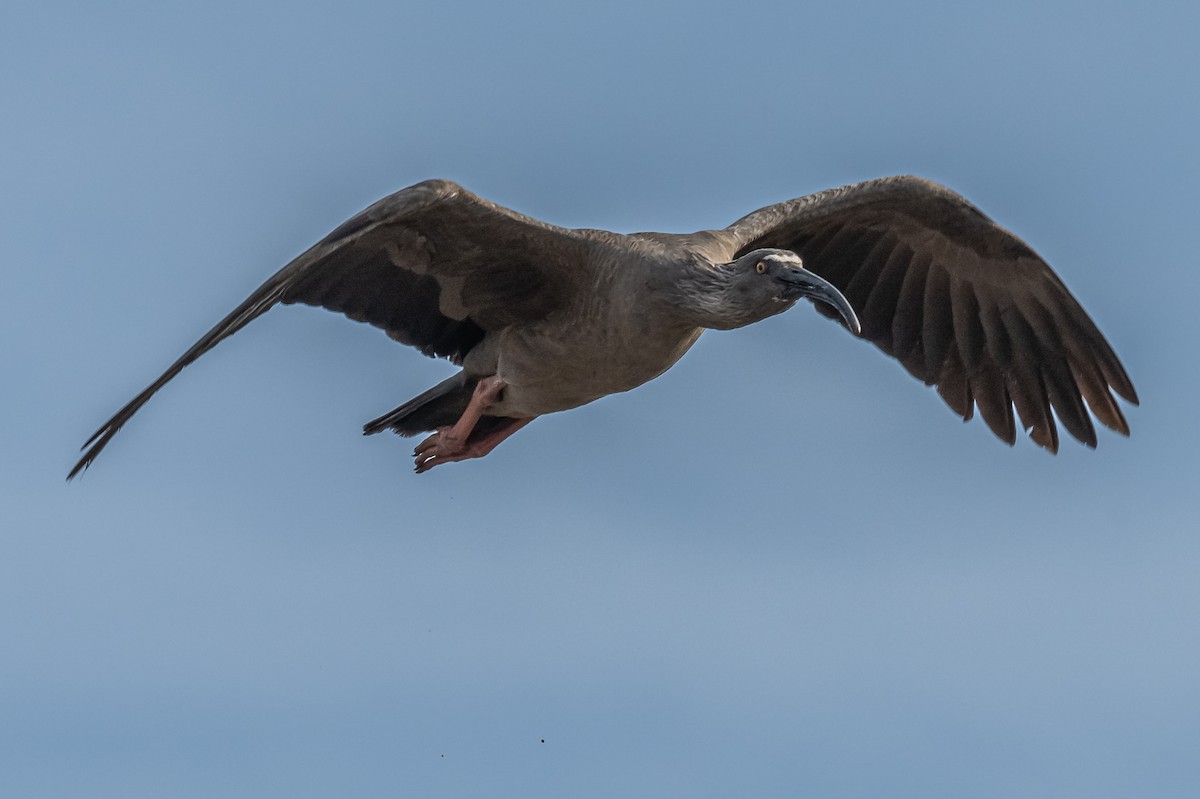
x=543 y=319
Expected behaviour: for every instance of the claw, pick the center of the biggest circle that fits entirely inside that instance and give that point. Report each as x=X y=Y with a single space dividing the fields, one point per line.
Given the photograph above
x=441 y=448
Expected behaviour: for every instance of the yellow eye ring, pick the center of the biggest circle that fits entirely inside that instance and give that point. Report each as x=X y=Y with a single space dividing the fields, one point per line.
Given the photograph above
x=760 y=267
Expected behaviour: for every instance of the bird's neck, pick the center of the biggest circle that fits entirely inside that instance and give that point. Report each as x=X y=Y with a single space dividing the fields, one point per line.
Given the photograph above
x=698 y=296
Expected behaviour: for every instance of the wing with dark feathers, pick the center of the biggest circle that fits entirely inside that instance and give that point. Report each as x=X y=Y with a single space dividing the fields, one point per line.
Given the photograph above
x=433 y=265
x=964 y=304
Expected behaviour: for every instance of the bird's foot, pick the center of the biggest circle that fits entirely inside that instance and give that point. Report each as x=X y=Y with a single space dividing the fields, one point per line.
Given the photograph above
x=441 y=447
x=444 y=447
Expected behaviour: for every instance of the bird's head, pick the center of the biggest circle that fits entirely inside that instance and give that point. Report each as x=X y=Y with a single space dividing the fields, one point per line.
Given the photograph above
x=763 y=283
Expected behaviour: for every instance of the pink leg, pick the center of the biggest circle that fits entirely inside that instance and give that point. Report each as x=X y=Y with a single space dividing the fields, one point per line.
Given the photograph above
x=451 y=443
x=476 y=448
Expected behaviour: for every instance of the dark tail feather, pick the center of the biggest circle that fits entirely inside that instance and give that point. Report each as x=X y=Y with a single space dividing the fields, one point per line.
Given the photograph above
x=438 y=407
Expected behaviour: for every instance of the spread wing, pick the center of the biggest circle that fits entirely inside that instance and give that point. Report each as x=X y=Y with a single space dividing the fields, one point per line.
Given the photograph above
x=964 y=304
x=433 y=265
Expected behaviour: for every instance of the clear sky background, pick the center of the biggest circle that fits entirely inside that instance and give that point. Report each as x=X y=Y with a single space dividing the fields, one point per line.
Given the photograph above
x=782 y=569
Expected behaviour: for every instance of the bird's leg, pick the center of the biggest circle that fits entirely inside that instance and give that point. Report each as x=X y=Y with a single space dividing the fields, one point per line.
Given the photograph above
x=450 y=441
x=476 y=448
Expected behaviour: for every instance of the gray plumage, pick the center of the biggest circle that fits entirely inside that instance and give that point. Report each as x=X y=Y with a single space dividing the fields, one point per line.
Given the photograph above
x=543 y=318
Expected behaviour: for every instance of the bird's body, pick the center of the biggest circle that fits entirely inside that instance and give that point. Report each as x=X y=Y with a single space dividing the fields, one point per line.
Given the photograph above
x=544 y=319
x=619 y=334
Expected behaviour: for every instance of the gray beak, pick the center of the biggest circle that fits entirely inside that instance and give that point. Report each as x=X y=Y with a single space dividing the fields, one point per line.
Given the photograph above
x=806 y=284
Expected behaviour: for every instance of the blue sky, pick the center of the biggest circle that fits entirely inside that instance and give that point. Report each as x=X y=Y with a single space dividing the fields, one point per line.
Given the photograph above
x=782 y=569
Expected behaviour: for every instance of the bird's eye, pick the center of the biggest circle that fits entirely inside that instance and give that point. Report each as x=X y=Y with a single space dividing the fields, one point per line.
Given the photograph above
x=760 y=267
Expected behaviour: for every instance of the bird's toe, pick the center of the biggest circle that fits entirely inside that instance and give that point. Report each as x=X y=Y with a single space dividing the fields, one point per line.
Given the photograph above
x=441 y=447
x=440 y=443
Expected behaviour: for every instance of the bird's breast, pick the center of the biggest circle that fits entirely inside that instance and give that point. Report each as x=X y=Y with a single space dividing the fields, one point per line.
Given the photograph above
x=558 y=366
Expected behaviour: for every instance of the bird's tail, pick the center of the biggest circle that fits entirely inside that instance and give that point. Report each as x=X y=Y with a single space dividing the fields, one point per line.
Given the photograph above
x=440 y=406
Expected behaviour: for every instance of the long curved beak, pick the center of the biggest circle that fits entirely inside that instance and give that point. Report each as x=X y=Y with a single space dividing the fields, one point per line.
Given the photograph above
x=806 y=284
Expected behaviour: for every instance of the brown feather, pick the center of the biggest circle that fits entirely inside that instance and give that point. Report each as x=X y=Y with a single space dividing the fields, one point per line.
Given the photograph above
x=968 y=327
x=1056 y=373
x=991 y=396
x=939 y=318
x=880 y=310
x=1027 y=387
x=865 y=277
x=809 y=248
x=909 y=322
x=1095 y=391
x=953 y=387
